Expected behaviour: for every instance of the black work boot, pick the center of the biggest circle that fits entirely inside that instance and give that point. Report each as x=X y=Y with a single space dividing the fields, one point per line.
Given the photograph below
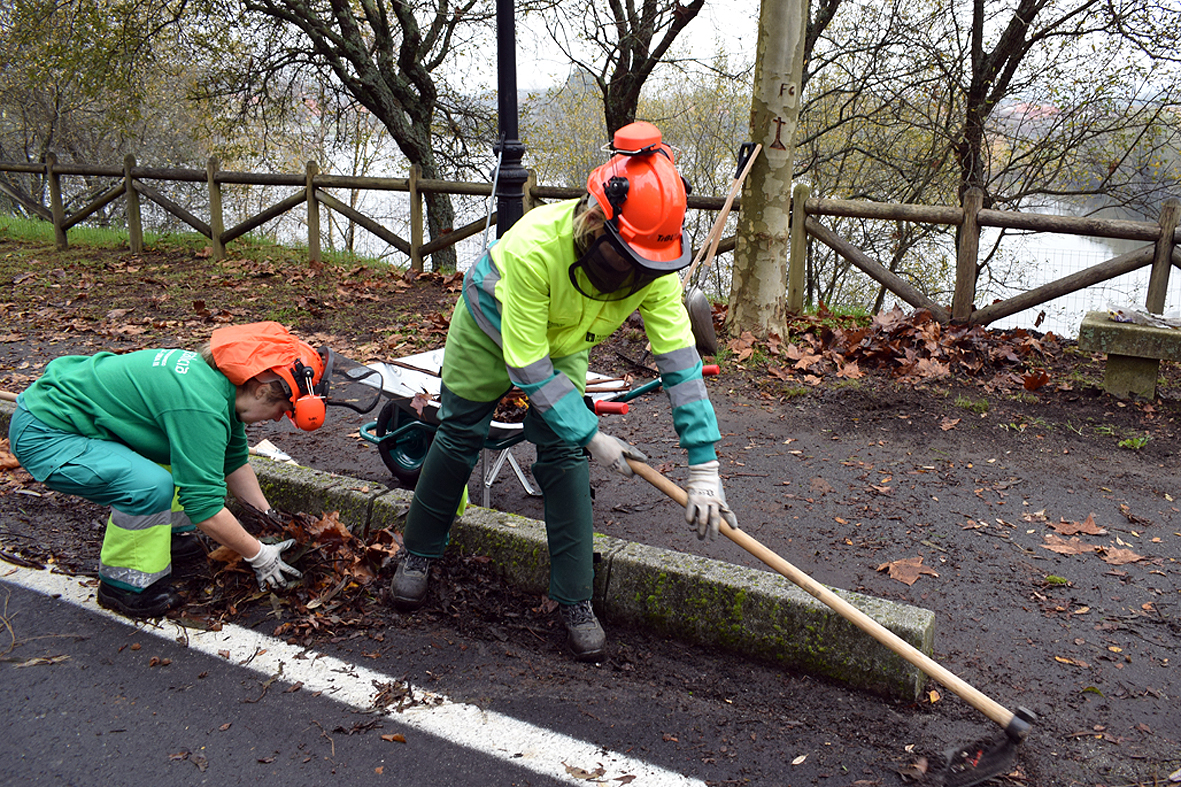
x=154 y=601
x=410 y=581
x=584 y=635
x=188 y=554
x=187 y=548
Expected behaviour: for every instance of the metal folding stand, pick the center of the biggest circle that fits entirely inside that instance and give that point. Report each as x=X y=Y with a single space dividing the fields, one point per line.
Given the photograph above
x=489 y=474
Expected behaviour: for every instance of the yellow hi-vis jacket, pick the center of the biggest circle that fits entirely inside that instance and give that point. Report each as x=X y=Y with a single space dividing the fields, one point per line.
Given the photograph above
x=520 y=295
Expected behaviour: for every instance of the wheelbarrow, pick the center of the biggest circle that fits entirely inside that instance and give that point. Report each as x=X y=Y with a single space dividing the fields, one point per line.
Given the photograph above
x=407 y=422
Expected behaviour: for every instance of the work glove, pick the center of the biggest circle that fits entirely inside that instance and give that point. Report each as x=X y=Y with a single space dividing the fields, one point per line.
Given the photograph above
x=614 y=453
x=269 y=567
x=706 y=506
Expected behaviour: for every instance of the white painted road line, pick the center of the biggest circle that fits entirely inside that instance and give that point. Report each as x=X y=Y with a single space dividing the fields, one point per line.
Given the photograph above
x=542 y=751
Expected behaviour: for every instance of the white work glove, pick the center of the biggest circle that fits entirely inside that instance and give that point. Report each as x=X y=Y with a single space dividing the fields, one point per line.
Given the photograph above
x=706 y=506
x=269 y=566
x=614 y=453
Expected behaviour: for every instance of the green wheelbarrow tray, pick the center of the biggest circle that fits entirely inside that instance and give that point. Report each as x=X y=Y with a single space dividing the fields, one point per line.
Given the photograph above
x=403 y=440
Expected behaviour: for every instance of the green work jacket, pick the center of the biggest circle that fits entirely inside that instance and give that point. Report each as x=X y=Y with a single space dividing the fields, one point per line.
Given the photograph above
x=167 y=405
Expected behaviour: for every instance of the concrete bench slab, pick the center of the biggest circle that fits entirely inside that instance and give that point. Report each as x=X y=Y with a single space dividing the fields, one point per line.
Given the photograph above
x=1134 y=352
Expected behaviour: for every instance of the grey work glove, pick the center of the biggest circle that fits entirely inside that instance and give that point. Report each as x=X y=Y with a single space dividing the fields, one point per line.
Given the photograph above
x=269 y=567
x=706 y=506
x=614 y=453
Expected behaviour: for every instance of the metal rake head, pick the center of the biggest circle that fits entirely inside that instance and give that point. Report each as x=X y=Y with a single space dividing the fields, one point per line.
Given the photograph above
x=975 y=762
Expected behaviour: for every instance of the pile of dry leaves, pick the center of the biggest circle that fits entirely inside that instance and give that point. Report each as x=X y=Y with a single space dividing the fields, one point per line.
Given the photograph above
x=337 y=590
x=911 y=348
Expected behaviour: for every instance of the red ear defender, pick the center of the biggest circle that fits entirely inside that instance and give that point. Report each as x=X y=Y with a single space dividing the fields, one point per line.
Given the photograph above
x=241 y=352
x=310 y=404
x=309 y=412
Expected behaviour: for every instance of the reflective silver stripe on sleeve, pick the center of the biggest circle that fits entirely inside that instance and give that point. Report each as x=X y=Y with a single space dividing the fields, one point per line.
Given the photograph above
x=545 y=397
x=535 y=373
x=677 y=360
x=474 y=295
x=688 y=391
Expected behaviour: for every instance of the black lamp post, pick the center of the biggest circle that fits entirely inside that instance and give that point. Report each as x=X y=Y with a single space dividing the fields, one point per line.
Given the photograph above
x=510 y=182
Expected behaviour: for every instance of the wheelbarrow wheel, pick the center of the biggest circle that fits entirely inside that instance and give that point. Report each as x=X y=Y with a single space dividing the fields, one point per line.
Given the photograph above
x=403 y=454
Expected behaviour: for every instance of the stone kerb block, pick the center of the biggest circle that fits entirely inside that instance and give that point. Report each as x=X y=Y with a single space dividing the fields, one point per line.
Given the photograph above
x=519 y=549
x=764 y=615
x=301 y=489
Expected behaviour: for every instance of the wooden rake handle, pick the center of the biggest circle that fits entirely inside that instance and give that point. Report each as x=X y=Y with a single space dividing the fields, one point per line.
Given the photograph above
x=1016 y=726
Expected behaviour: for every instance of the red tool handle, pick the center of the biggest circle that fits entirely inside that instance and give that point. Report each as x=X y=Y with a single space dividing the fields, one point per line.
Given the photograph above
x=710 y=369
x=610 y=408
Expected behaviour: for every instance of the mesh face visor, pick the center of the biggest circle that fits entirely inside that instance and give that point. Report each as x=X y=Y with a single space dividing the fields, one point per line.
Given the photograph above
x=610 y=270
x=347 y=383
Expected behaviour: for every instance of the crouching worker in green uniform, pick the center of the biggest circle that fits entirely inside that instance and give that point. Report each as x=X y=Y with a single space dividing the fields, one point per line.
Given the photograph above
x=159 y=436
x=561 y=280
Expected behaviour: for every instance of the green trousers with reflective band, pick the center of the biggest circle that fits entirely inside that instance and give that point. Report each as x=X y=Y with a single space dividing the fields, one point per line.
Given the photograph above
x=135 y=545
x=561 y=470
x=136 y=548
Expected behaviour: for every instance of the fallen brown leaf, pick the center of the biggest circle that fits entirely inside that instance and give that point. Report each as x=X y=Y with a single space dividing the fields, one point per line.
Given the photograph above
x=907 y=570
x=1087 y=527
x=1072 y=547
x=1035 y=379
x=1119 y=557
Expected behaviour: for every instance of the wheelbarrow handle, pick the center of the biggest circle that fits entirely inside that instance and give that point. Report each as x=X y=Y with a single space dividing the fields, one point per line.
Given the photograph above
x=602 y=407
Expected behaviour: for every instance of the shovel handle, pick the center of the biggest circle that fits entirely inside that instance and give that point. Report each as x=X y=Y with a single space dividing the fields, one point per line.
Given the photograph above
x=1015 y=726
x=7 y=396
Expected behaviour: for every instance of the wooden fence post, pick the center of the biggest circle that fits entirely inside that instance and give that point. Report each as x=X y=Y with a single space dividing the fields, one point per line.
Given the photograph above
x=135 y=227
x=216 y=222
x=55 y=202
x=313 y=169
x=797 y=255
x=529 y=202
x=966 y=257
x=1158 y=280
x=415 y=220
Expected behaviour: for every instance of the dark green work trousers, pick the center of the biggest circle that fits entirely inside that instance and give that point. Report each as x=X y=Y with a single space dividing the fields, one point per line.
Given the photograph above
x=561 y=470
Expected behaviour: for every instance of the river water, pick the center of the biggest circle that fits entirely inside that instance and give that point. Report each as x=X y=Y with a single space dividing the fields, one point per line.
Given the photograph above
x=1032 y=260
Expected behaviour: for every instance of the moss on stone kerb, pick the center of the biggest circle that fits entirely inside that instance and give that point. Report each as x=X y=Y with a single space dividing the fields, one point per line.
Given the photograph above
x=764 y=615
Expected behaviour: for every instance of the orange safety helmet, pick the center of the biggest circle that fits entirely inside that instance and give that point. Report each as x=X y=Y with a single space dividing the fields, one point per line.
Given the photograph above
x=245 y=351
x=643 y=198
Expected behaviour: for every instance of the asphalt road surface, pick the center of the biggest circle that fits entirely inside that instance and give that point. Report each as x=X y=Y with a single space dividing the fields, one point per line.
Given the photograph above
x=92 y=698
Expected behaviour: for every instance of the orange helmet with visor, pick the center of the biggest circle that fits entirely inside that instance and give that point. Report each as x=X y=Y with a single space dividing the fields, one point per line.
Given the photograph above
x=245 y=351
x=643 y=198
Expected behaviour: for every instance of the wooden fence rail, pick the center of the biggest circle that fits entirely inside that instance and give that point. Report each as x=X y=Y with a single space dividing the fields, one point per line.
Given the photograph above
x=1161 y=255
x=311 y=188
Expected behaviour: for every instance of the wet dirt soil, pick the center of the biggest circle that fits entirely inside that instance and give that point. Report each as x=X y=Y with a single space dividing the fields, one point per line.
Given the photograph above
x=1047 y=523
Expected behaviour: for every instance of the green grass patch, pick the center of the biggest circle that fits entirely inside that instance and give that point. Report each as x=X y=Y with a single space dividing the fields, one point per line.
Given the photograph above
x=978 y=406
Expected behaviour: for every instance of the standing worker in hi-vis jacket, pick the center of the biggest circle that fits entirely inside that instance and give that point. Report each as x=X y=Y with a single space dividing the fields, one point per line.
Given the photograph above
x=562 y=279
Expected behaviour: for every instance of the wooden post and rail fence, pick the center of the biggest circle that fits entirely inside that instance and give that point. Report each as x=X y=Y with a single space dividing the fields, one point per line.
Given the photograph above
x=312 y=187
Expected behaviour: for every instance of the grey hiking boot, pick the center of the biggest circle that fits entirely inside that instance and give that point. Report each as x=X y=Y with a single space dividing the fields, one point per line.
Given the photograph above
x=584 y=635
x=410 y=580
